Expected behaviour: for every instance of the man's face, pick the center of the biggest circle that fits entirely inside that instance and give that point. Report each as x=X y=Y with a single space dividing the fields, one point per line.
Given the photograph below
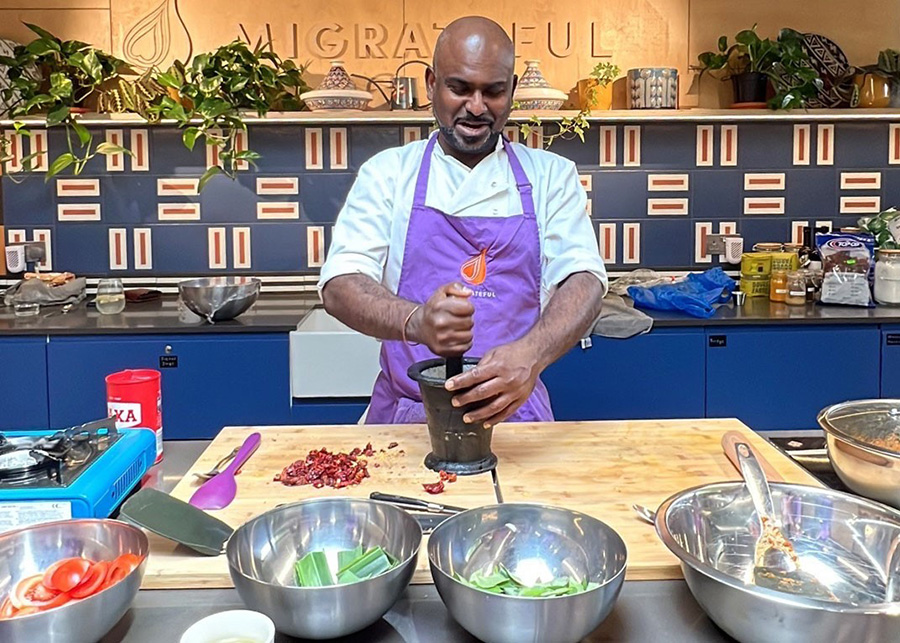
x=471 y=94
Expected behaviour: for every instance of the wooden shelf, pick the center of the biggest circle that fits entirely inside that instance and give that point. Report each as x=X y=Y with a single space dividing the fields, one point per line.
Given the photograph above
x=425 y=117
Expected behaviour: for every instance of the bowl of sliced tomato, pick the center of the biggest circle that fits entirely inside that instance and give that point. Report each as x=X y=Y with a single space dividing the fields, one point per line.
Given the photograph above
x=71 y=580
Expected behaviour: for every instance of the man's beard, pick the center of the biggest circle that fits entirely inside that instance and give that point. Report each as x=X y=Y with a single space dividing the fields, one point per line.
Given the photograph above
x=460 y=144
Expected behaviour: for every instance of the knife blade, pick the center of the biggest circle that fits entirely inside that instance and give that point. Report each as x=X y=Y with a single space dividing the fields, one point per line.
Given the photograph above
x=495 y=479
x=415 y=503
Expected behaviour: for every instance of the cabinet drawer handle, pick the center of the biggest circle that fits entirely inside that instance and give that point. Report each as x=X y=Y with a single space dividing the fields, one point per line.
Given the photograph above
x=168 y=350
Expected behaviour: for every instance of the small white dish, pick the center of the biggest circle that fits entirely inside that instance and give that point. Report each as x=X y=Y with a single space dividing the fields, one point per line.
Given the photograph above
x=234 y=625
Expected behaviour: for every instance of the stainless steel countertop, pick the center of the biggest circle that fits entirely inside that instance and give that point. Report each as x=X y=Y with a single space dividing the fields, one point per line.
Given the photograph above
x=646 y=610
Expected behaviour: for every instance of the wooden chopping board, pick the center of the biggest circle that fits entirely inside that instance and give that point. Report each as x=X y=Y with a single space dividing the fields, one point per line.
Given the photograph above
x=600 y=468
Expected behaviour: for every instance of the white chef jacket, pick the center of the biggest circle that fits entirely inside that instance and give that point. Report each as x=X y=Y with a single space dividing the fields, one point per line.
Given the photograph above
x=370 y=234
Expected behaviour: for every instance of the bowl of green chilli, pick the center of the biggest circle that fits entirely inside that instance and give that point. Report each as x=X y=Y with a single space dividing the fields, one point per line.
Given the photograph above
x=326 y=567
x=517 y=572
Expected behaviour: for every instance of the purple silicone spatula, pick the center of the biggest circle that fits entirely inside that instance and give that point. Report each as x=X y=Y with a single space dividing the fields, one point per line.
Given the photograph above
x=218 y=492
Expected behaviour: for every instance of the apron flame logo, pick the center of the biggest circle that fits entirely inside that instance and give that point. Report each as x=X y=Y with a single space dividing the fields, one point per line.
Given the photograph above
x=474 y=270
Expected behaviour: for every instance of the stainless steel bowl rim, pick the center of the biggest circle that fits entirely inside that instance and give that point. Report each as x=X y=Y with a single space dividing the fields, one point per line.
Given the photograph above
x=828 y=427
x=535 y=505
x=72 y=522
x=311 y=501
x=668 y=540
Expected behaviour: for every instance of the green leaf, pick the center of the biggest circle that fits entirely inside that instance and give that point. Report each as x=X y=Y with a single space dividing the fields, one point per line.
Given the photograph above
x=41 y=32
x=210 y=172
x=168 y=80
x=723 y=44
x=91 y=66
x=60 y=85
x=312 y=570
x=370 y=564
x=60 y=163
x=58 y=115
x=42 y=47
x=189 y=137
x=210 y=86
x=108 y=149
x=747 y=37
x=82 y=132
x=348 y=557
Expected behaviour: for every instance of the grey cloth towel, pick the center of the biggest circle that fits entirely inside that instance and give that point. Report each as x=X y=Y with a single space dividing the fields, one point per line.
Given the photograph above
x=35 y=291
x=619 y=319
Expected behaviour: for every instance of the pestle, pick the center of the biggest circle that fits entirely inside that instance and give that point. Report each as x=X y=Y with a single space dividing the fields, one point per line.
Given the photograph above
x=454 y=366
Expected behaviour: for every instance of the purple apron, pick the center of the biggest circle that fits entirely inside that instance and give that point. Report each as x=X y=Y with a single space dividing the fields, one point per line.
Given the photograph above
x=498 y=258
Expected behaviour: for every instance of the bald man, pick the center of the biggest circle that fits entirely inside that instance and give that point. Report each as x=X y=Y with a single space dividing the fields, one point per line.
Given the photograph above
x=466 y=243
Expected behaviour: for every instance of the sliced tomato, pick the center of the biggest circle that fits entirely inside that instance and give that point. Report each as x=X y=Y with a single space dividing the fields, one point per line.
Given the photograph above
x=66 y=576
x=120 y=568
x=30 y=592
x=92 y=581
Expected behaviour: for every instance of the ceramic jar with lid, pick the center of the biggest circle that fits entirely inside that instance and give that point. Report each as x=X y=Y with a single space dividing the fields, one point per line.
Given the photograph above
x=887 y=277
x=534 y=91
x=336 y=91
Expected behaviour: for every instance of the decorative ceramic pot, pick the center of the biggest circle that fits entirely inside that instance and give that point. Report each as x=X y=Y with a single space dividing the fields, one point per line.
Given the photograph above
x=874 y=90
x=336 y=91
x=592 y=96
x=534 y=92
x=653 y=88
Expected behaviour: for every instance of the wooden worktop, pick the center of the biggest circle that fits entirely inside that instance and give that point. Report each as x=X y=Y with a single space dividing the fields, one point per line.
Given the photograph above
x=600 y=468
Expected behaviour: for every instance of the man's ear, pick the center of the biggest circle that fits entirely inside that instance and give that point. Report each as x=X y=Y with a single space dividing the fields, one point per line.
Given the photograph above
x=430 y=80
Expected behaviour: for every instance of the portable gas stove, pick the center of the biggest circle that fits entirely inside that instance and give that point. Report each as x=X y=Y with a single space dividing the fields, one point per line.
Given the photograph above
x=82 y=472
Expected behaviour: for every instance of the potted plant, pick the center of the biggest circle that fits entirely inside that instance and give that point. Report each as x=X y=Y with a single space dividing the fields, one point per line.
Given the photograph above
x=888 y=68
x=595 y=92
x=209 y=97
x=753 y=64
x=71 y=74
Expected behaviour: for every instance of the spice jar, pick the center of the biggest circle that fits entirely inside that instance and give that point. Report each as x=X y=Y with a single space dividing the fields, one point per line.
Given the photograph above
x=887 y=277
x=796 y=288
x=813 y=285
x=778 y=286
x=767 y=247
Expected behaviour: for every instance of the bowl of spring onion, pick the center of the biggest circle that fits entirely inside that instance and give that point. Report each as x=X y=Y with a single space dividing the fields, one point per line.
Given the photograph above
x=326 y=567
x=526 y=572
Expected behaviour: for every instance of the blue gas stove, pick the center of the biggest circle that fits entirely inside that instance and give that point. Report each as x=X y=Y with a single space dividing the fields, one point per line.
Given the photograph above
x=82 y=472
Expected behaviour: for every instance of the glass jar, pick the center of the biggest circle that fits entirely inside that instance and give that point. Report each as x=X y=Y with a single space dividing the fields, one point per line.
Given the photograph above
x=110 y=297
x=767 y=247
x=796 y=288
x=778 y=286
x=813 y=285
x=887 y=277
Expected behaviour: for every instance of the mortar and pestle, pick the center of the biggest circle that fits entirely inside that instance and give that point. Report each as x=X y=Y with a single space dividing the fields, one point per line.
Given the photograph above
x=456 y=447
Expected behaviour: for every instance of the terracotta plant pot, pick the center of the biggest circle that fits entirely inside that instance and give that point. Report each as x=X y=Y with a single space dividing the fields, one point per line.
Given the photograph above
x=456 y=447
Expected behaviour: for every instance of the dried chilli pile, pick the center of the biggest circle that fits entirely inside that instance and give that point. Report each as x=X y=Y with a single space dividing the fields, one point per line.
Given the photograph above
x=322 y=468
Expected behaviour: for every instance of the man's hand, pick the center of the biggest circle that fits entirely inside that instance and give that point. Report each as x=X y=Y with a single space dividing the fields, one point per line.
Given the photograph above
x=503 y=379
x=444 y=323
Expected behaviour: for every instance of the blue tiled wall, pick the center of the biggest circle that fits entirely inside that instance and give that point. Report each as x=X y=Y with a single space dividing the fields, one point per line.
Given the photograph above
x=814 y=166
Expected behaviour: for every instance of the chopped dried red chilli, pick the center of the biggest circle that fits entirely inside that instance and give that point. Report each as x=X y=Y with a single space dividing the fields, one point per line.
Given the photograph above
x=322 y=468
x=448 y=477
x=435 y=487
x=393 y=445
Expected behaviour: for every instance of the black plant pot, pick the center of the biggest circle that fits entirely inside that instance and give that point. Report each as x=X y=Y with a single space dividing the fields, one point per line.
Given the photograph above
x=750 y=87
x=456 y=447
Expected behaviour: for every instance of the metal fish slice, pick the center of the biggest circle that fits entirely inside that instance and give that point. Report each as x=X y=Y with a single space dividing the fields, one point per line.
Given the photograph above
x=775 y=563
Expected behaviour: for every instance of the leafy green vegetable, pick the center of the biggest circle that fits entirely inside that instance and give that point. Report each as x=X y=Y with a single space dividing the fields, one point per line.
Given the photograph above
x=353 y=565
x=502 y=581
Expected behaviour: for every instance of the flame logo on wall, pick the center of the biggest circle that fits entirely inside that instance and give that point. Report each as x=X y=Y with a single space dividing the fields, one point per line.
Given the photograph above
x=474 y=270
x=148 y=42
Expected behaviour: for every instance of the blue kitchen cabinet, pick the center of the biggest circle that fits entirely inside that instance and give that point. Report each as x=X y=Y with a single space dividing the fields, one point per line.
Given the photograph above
x=328 y=411
x=780 y=377
x=23 y=383
x=209 y=382
x=890 y=361
x=653 y=376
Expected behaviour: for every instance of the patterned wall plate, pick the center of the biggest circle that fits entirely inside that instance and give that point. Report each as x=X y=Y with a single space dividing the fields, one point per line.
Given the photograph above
x=833 y=67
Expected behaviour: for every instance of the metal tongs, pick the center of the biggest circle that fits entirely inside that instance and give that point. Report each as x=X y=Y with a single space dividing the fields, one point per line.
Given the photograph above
x=415 y=504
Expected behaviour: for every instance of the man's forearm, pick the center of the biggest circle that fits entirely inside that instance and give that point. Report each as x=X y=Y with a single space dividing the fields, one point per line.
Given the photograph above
x=567 y=317
x=366 y=306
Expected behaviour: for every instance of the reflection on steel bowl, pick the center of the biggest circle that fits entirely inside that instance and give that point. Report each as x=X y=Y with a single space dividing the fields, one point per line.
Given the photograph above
x=849 y=544
x=863 y=440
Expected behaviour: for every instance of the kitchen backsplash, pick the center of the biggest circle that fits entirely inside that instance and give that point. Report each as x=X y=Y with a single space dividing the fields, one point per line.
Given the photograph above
x=655 y=189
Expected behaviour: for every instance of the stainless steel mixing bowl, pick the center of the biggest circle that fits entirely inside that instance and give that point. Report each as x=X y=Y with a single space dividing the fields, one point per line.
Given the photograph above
x=219 y=298
x=850 y=544
x=863 y=439
x=261 y=556
x=537 y=543
x=30 y=551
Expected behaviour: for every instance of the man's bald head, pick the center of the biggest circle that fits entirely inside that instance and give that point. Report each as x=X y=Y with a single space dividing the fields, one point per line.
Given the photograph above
x=475 y=37
x=471 y=86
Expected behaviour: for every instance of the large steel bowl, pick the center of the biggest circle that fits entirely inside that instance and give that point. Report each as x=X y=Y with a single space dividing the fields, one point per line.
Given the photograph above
x=29 y=551
x=219 y=298
x=848 y=543
x=863 y=439
x=537 y=543
x=261 y=556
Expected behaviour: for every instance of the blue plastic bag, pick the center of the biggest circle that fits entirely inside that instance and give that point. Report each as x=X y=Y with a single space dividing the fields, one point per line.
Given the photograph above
x=697 y=295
